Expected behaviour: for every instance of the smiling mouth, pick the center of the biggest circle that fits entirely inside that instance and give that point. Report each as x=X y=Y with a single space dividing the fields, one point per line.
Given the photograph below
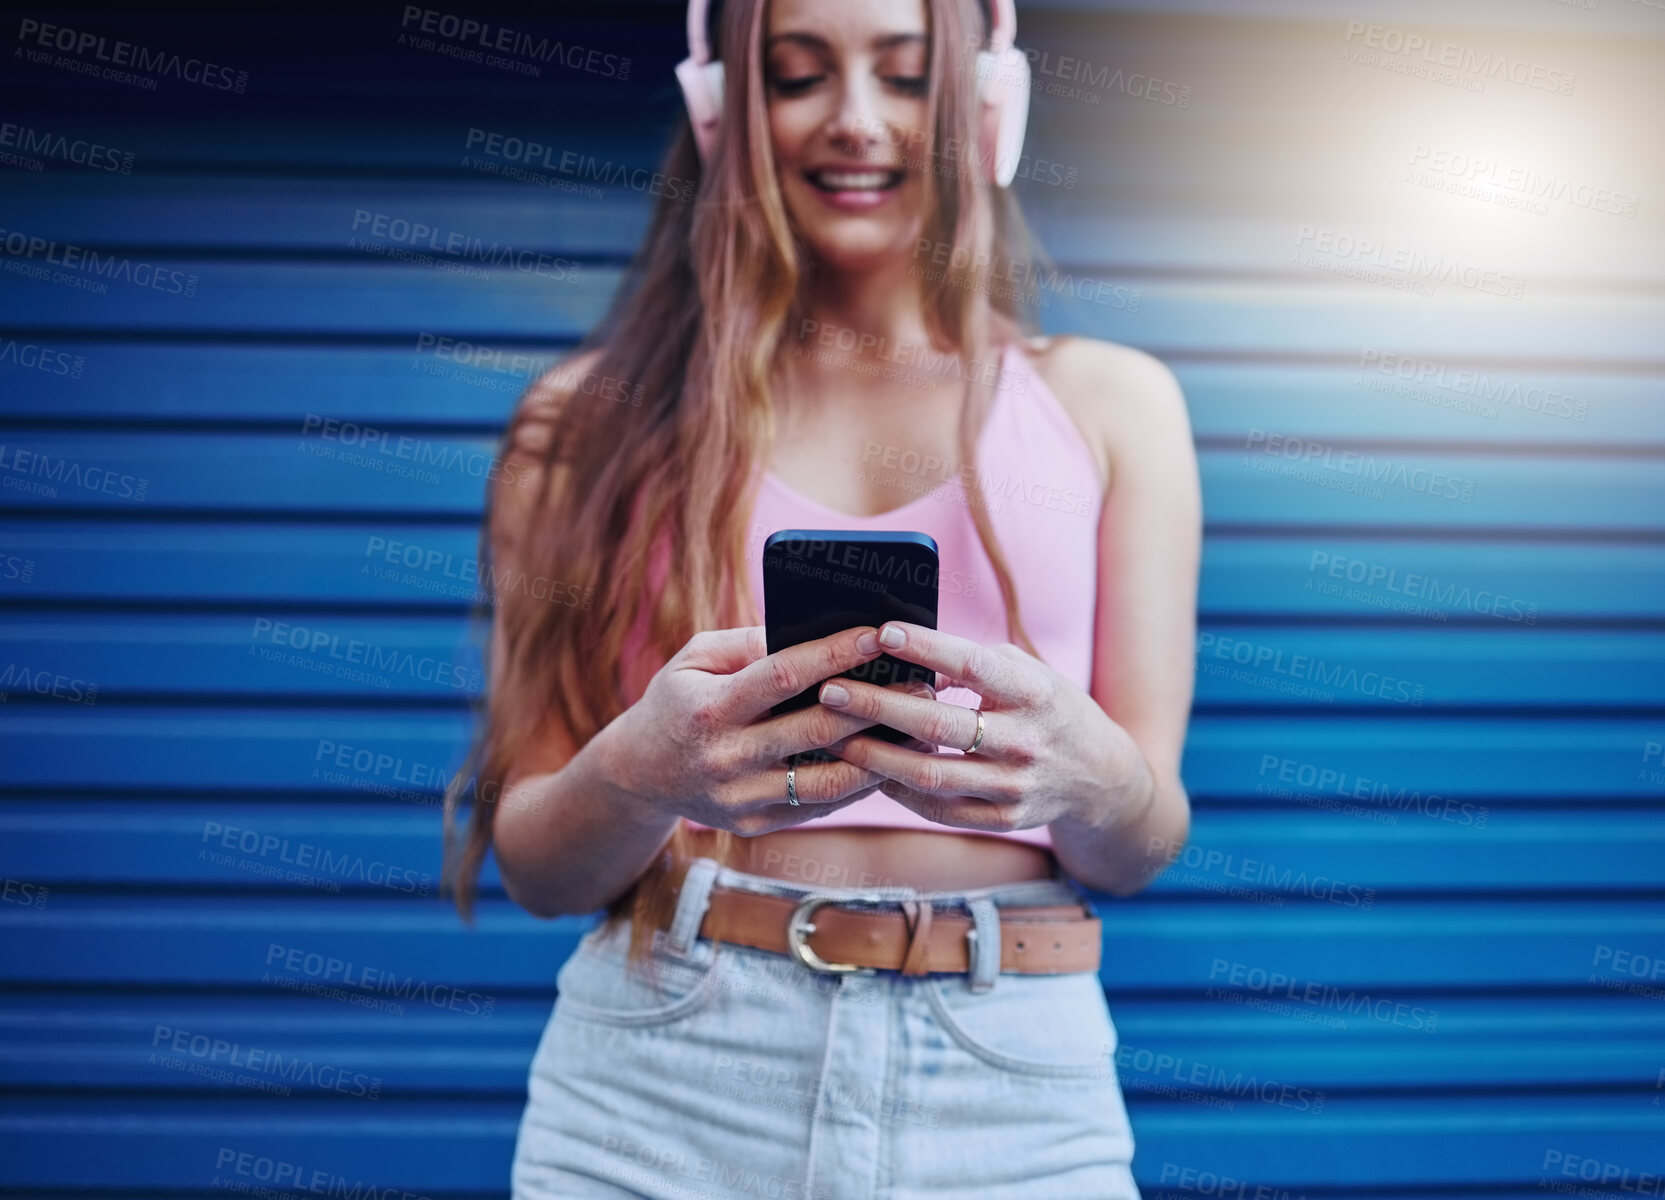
x=855 y=181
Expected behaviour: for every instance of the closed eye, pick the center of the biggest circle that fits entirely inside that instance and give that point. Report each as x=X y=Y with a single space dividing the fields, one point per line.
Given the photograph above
x=912 y=85
x=797 y=84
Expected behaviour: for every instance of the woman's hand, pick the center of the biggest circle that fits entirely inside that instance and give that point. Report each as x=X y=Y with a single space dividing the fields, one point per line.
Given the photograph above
x=701 y=741
x=1047 y=751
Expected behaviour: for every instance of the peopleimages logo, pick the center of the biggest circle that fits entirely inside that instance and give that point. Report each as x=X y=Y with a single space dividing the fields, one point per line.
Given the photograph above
x=391 y=231
x=47 y=683
x=1595 y=1170
x=1489 y=392
x=20 y=569
x=383 y=450
x=94 y=272
x=1025 y=281
x=1363 y=467
x=1526 y=184
x=331 y=650
x=1193 y=1181
x=292 y=1070
x=500 y=38
x=1148 y=1067
x=1270 y=984
x=79 y=151
x=1652 y=751
x=81 y=44
x=277 y=1177
x=857 y=565
x=1418 y=586
x=1336 y=782
x=1434 y=53
x=929 y=360
x=24 y=469
x=29 y=895
x=35 y=357
x=466 y=571
x=583 y=168
x=1057 y=75
x=322 y=861
x=1363 y=257
x=1261 y=874
x=346 y=974
x=1303 y=667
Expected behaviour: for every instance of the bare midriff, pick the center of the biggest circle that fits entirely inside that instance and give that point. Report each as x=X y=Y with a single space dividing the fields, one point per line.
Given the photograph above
x=860 y=857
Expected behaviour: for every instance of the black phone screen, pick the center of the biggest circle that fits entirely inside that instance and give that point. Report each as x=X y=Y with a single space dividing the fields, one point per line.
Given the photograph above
x=817 y=582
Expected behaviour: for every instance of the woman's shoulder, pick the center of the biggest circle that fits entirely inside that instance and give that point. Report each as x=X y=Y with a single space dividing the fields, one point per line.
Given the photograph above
x=541 y=403
x=1118 y=395
x=1099 y=372
x=524 y=454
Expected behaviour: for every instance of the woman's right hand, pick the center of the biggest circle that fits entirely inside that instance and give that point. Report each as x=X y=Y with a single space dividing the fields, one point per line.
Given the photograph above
x=701 y=741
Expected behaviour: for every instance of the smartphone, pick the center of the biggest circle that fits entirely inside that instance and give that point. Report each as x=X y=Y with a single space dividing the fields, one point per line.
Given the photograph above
x=817 y=582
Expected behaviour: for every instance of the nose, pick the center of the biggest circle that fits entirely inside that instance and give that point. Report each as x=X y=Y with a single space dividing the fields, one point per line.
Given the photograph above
x=856 y=127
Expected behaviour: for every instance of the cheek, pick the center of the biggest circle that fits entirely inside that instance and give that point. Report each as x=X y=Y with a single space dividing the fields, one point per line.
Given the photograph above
x=907 y=130
x=790 y=128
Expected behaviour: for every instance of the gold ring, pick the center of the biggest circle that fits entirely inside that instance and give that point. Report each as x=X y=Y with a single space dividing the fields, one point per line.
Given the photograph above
x=978 y=740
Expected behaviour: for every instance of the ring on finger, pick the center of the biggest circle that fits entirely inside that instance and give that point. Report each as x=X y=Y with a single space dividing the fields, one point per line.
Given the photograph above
x=978 y=740
x=792 y=785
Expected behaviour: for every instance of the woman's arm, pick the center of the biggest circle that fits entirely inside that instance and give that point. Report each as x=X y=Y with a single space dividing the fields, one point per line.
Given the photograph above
x=568 y=837
x=575 y=827
x=1100 y=768
x=1144 y=659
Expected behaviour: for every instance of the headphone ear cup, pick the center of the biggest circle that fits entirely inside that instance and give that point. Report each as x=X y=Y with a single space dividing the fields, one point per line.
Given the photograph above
x=1003 y=88
x=702 y=92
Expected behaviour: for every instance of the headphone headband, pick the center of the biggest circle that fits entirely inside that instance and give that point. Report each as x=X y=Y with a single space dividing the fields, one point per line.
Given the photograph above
x=698 y=49
x=1002 y=28
x=1002 y=25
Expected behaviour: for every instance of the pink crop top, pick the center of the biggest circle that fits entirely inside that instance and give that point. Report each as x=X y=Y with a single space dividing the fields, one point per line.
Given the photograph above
x=1044 y=498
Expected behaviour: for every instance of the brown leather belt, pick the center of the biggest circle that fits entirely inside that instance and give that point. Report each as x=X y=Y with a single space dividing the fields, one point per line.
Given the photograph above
x=1043 y=940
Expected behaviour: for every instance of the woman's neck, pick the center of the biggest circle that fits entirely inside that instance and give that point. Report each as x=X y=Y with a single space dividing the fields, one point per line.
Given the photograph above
x=885 y=302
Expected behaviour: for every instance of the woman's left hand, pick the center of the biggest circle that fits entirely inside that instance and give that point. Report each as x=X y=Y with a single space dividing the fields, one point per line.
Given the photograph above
x=1047 y=751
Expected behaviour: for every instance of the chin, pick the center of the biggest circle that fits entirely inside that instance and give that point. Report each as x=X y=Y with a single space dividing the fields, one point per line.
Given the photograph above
x=857 y=244
x=851 y=252
x=852 y=241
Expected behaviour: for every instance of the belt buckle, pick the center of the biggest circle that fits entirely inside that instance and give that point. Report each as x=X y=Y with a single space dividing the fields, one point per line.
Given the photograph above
x=801 y=926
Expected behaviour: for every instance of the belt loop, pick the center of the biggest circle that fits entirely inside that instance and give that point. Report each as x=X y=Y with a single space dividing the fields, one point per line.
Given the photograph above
x=691 y=904
x=983 y=944
x=917 y=915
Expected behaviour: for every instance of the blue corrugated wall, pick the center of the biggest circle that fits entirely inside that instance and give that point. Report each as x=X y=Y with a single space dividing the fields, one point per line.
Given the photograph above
x=1407 y=262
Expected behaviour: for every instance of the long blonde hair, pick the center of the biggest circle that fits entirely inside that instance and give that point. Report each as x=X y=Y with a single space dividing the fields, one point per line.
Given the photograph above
x=695 y=326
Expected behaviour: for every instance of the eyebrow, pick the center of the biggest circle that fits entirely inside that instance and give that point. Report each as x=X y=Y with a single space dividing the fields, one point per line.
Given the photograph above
x=817 y=42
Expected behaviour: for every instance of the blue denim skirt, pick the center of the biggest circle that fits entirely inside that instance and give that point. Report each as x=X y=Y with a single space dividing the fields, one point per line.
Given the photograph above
x=740 y=1073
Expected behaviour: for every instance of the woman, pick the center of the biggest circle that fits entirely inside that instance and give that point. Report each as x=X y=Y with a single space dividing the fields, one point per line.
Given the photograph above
x=629 y=759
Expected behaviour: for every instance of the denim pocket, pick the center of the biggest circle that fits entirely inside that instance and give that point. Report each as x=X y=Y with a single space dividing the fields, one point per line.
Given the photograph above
x=1052 y=1025
x=597 y=984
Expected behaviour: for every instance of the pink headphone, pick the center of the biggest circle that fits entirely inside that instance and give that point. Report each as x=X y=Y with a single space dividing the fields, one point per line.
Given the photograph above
x=1002 y=86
